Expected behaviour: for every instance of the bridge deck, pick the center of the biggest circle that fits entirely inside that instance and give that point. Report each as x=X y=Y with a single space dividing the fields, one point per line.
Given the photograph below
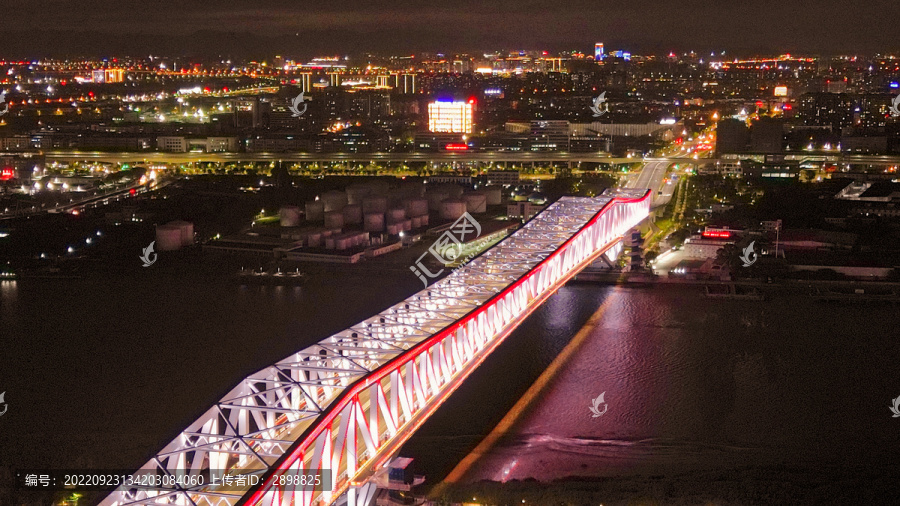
x=348 y=402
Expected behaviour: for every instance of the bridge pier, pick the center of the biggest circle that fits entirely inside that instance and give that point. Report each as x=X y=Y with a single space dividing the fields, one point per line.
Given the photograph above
x=362 y=495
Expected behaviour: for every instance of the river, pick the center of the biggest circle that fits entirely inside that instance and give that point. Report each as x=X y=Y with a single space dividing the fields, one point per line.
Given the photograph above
x=102 y=371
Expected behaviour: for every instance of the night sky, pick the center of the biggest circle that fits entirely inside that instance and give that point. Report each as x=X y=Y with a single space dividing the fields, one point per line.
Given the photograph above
x=304 y=28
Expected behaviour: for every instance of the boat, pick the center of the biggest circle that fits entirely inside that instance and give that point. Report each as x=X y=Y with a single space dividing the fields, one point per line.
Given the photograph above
x=271 y=277
x=730 y=291
x=857 y=295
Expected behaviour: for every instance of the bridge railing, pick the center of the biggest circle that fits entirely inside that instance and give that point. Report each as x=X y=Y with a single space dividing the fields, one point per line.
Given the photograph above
x=347 y=403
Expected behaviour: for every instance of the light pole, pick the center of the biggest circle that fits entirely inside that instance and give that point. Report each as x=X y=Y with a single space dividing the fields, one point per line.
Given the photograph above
x=777 y=235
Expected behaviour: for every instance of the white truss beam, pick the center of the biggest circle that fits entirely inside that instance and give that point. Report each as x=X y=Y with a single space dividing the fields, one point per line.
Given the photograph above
x=348 y=402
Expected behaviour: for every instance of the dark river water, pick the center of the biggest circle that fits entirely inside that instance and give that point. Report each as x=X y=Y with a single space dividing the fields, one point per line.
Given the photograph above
x=694 y=384
x=101 y=372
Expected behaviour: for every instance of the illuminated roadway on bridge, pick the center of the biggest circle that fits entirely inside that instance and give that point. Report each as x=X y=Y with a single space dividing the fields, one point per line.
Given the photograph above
x=653 y=175
x=150 y=157
x=349 y=402
x=443 y=156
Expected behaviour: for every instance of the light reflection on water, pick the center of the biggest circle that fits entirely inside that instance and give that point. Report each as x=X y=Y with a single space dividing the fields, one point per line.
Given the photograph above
x=8 y=299
x=690 y=384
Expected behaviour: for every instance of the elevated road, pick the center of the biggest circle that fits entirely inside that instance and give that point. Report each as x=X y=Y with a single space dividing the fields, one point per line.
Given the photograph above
x=517 y=157
x=442 y=157
x=653 y=176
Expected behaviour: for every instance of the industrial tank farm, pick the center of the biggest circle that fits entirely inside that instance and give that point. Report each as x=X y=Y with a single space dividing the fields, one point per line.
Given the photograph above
x=366 y=218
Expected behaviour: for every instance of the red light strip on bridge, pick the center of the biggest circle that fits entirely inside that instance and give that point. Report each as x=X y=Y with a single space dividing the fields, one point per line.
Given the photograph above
x=349 y=394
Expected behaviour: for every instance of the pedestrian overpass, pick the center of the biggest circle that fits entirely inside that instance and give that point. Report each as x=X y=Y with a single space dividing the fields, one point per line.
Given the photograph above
x=347 y=403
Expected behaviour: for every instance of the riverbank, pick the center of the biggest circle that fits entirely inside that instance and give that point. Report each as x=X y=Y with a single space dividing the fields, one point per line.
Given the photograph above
x=787 y=285
x=777 y=484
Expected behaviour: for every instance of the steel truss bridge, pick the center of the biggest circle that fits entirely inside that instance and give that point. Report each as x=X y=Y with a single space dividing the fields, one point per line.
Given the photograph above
x=349 y=402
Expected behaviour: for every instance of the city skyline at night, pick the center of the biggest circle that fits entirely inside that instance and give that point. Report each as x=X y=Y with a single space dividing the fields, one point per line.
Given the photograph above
x=397 y=253
x=53 y=28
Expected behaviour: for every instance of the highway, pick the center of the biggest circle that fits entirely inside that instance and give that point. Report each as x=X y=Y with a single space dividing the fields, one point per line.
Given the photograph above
x=499 y=157
x=652 y=176
x=444 y=156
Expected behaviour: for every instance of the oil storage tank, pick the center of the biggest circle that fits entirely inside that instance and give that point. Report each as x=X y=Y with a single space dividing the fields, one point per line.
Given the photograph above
x=357 y=192
x=352 y=214
x=435 y=196
x=290 y=216
x=315 y=210
x=452 y=209
x=334 y=200
x=494 y=195
x=334 y=219
x=476 y=202
x=168 y=238
x=416 y=207
x=454 y=190
x=187 y=231
x=396 y=214
x=373 y=222
x=375 y=204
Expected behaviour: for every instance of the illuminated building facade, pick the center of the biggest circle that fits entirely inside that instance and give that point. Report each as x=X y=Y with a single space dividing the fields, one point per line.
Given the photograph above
x=108 y=75
x=404 y=83
x=304 y=81
x=598 y=51
x=450 y=117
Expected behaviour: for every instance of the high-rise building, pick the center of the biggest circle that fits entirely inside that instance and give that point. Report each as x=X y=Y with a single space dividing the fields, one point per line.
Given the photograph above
x=369 y=104
x=838 y=86
x=404 y=83
x=732 y=136
x=549 y=135
x=450 y=117
x=767 y=135
x=598 y=51
x=833 y=110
